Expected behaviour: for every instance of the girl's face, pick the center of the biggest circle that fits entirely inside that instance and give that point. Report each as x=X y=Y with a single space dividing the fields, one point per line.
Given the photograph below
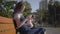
x=30 y=16
x=22 y=9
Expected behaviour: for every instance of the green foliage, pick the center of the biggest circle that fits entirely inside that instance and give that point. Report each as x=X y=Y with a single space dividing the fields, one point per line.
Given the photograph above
x=54 y=13
x=27 y=8
x=42 y=15
x=7 y=11
x=10 y=5
x=25 y=14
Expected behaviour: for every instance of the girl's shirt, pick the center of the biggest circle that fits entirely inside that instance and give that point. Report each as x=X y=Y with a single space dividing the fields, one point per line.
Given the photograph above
x=21 y=18
x=17 y=16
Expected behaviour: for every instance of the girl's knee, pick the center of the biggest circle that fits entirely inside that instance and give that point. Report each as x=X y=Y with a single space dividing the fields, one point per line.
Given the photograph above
x=42 y=29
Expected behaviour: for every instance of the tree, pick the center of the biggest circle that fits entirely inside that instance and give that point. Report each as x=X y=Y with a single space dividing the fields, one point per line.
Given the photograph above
x=54 y=13
x=7 y=6
x=42 y=15
x=27 y=8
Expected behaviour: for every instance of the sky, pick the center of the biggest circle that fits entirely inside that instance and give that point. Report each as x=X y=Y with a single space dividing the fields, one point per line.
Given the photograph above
x=34 y=4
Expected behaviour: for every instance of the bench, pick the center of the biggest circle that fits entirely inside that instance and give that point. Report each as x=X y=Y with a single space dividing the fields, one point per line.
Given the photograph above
x=7 y=26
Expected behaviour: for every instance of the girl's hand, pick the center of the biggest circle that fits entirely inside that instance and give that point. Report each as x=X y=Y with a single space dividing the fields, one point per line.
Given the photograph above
x=28 y=17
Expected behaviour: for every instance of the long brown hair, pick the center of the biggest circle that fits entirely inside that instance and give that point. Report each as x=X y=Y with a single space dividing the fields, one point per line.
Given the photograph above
x=19 y=7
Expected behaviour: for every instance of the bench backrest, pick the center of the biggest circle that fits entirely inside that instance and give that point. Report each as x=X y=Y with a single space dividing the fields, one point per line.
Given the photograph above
x=7 y=26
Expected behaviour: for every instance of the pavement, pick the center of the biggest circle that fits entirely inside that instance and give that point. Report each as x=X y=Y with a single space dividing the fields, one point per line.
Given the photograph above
x=52 y=31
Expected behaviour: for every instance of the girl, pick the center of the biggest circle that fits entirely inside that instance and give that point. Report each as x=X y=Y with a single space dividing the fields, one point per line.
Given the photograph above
x=18 y=18
x=20 y=21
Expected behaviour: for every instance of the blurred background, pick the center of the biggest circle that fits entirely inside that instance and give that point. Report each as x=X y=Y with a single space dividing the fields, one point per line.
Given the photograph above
x=45 y=12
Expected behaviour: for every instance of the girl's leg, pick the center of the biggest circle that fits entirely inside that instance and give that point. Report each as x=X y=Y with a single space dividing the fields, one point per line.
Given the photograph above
x=40 y=31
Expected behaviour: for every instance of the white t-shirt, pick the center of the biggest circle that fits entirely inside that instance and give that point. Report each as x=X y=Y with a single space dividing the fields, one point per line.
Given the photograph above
x=19 y=16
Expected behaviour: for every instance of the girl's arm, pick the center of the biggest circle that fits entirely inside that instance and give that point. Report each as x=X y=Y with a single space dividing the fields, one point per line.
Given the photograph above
x=19 y=24
x=31 y=23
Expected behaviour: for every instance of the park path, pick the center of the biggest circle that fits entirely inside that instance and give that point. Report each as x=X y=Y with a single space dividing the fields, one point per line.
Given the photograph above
x=52 y=31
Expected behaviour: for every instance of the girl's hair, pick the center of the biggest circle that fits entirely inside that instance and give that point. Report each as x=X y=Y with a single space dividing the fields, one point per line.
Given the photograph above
x=18 y=6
